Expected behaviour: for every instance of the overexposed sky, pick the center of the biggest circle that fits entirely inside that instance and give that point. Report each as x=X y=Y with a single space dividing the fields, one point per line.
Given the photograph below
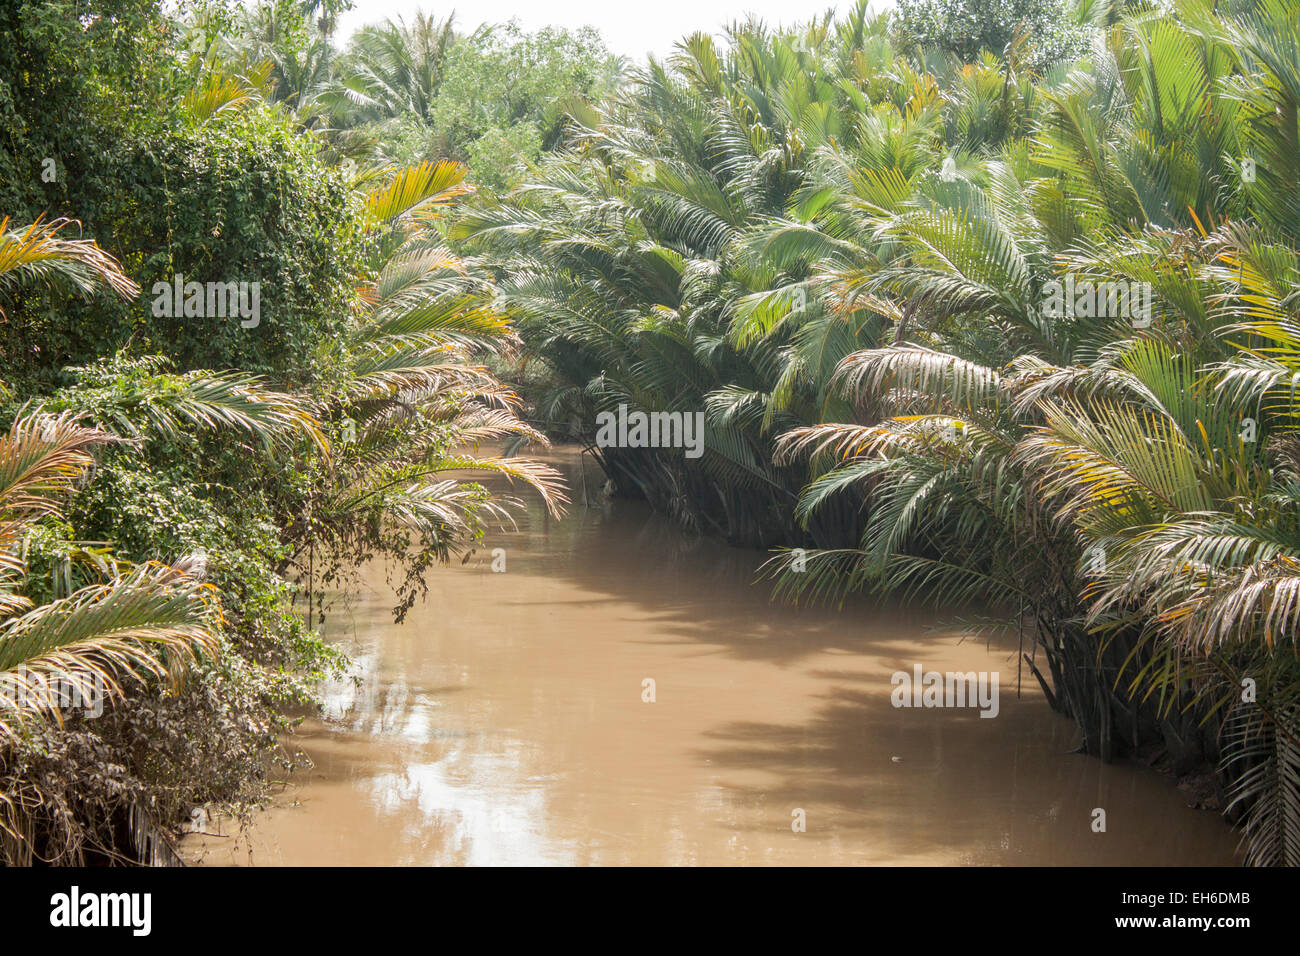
x=632 y=29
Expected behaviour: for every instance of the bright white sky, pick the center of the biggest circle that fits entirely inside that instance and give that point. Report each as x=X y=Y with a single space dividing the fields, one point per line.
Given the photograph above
x=630 y=27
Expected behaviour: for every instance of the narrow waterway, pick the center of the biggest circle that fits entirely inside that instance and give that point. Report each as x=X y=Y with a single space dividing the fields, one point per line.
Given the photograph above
x=504 y=723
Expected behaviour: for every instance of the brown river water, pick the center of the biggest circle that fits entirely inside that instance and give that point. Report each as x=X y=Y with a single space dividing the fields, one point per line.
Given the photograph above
x=504 y=724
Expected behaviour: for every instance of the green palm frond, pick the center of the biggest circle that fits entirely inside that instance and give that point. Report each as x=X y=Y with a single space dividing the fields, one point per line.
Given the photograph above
x=38 y=253
x=42 y=458
x=168 y=404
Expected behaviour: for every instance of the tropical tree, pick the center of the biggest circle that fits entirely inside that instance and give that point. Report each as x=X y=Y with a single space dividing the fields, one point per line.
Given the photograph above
x=1124 y=479
x=412 y=405
x=135 y=624
x=393 y=70
x=141 y=621
x=876 y=268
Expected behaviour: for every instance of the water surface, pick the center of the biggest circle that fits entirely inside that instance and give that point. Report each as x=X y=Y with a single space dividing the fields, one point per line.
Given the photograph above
x=503 y=723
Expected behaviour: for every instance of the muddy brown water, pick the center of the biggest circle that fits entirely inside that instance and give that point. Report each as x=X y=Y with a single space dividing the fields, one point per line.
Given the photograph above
x=504 y=723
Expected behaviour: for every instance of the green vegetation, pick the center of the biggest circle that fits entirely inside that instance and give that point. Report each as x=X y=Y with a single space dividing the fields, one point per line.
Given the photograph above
x=996 y=305
x=864 y=259
x=178 y=485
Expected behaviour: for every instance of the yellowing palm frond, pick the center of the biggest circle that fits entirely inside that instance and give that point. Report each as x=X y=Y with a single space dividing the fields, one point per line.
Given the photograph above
x=430 y=184
x=38 y=252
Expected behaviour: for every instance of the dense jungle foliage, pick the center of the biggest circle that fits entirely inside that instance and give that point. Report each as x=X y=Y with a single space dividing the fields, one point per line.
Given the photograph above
x=993 y=305
x=180 y=490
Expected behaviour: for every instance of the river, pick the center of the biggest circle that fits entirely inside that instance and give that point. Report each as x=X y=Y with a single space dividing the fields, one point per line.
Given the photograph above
x=504 y=723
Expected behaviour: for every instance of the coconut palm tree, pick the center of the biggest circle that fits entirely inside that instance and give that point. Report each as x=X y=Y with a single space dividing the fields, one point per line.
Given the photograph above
x=300 y=56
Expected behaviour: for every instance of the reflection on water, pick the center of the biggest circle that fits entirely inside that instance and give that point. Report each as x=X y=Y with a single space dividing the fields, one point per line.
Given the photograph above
x=503 y=723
